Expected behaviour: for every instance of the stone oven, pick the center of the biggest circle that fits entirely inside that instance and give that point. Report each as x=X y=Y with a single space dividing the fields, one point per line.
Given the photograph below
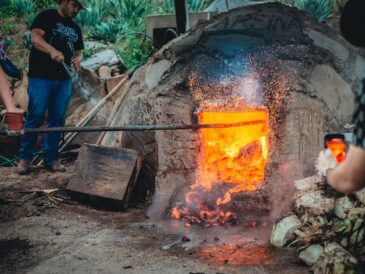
x=270 y=64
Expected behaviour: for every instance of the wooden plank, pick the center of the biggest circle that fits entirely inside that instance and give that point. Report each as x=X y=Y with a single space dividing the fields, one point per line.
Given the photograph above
x=105 y=174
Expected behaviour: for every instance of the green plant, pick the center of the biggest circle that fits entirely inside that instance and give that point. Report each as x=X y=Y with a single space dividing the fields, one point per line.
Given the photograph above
x=128 y=10
x=27 y=43
x=87 y=53
x=7 y=10
x=337 y=5
x=29 y=18
x=23 y=7
x=199 y=5
x=134 y=47
x=9 y=42
x=94 y=15
x=320 y=9
x=44 y=4
x=167 y=6
x=107 y=31
x=7 y=28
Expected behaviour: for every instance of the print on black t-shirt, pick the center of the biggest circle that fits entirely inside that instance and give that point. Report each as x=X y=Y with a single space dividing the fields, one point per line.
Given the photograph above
x=61 y=33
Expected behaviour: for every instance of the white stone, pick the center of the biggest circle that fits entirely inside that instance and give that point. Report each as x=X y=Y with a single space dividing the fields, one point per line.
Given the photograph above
x=107 y=57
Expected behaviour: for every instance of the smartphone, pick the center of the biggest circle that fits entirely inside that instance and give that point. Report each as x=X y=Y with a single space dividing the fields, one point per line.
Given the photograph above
x=336 y=143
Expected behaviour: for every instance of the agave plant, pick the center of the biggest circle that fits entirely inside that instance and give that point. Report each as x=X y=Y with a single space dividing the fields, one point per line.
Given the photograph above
x=320 y=9
x=95 y=14
x=167 y=6
x=199 y=5
x=108 y=31
x=337 y=5
x=43 y=4
x=127 y=10
x=24 y=7
x=29 y=18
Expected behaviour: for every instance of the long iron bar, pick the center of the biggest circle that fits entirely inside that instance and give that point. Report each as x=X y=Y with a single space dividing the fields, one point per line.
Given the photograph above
x=136 y=127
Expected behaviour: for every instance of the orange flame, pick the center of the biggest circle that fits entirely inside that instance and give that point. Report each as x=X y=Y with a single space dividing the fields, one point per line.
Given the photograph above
x=237 y=155
x=231 y=160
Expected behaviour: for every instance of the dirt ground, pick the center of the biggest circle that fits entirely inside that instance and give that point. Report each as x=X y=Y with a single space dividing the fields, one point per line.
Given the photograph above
x=49 y=233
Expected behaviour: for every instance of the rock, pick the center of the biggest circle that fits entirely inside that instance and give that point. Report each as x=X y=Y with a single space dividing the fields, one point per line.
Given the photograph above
x=310 y=254
x=106 y=57
x=95 y=46
x=104 y=72
x=342 y=205
x=283 y=230
x=360 y=195
x=314 y=204
x=308 y=184
x=335 y=259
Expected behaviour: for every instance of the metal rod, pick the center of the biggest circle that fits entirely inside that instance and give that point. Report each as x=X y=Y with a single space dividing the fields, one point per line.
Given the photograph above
x=136 y=127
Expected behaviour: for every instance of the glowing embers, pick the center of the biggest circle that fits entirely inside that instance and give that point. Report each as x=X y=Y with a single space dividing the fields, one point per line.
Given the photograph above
x=231 y=160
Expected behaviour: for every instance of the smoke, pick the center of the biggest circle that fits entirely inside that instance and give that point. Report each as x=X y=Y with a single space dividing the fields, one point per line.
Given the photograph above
x=86 y=91
x=161 y=202
x=248 y=88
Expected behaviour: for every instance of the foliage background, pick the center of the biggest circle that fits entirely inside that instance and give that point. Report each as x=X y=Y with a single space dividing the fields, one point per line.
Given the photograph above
x=118 y=23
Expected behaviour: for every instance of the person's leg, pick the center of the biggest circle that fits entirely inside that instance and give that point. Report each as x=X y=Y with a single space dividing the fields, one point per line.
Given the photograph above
x=5 y=93
x=57 y=107
x=39 y=92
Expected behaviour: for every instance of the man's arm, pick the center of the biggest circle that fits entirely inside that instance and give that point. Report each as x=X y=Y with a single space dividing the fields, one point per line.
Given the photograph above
x=350 y=175
x=39 y=43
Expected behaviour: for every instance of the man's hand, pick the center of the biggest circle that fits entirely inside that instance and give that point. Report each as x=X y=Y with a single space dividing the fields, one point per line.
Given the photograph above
x=76 y=61
x=57 y=56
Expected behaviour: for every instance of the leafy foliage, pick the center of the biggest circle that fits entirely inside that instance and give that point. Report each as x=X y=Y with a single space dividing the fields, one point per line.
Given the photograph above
x=127 y=10
x=135 y=50
x=29 y=18
x=107 y=31
x=27 y=41
x=94 y=15
x=167 y=6
x=7 y=10
x=45 y=4
x=9 y=42
x=7 y=28
x=337 y=5
x=320 y=9
x=24 y=7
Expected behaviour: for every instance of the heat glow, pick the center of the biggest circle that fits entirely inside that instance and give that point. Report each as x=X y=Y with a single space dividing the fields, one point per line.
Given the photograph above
x=237 y=154
x=231 y=160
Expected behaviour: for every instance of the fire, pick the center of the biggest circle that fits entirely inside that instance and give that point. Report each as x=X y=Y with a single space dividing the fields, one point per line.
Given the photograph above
x=236 y=155
x=231 y=160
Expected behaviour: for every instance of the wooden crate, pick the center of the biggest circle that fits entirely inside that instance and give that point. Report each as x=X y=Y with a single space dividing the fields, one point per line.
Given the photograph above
x=104 y=175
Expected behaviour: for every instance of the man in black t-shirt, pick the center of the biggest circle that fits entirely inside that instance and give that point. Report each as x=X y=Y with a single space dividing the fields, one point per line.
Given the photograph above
x=56 y=44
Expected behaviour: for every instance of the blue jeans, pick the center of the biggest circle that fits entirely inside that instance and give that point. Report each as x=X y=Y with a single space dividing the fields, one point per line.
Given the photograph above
x=45 y=95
